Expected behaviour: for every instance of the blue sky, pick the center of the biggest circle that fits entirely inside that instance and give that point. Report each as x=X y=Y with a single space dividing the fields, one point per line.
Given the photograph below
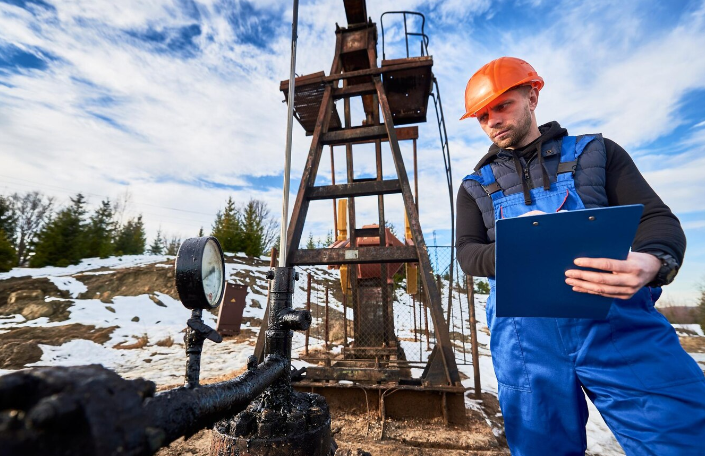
x=177 y=101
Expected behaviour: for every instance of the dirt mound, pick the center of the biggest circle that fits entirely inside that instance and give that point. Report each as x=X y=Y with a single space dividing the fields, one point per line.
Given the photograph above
x=129 y=282
x=32 y=304
x=20 y=346
x=18 y=285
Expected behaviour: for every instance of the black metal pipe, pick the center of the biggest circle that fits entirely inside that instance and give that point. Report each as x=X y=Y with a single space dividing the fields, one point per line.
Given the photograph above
x=298 y=320
x=182 y=411
x=193 y=340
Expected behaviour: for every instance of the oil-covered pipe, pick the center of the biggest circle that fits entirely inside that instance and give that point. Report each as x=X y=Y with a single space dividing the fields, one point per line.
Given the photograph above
x=297 y=320
x=182 y=411
x=279 y=332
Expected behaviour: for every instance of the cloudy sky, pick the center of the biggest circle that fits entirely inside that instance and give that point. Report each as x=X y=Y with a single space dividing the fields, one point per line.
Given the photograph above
x=177 y=102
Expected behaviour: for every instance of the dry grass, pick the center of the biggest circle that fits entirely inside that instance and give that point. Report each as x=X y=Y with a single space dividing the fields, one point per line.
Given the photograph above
x=693 y=344
x=166 y=342
x=141 y=342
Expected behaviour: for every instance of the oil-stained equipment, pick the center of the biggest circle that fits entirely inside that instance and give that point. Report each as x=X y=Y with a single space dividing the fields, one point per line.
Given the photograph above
x=89 y=410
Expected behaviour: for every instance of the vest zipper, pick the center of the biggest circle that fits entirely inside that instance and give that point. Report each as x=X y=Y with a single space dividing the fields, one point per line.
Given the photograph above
x=527 y=175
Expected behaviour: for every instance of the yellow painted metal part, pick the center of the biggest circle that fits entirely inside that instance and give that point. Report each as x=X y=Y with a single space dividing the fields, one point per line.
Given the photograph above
x=342 y=220
x=412 y=278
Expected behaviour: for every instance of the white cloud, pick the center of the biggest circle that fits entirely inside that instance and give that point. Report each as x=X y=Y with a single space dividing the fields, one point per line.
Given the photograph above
x=694 y=225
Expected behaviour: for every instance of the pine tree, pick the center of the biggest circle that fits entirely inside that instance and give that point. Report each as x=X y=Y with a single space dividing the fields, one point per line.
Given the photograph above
x=62 y=240
x=8 y=255
x=482 y=286
x=227 y=228
x=259 y=228
x=8 y=225
x=131 y=238
x=254 y=217
x=200 y=232
x=172 y=247
x=310 y=244
x=8 y=218
x=100 y=232
x=158 y=244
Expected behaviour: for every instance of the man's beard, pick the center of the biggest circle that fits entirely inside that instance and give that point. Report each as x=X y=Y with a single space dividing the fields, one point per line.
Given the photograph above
x=516 y=134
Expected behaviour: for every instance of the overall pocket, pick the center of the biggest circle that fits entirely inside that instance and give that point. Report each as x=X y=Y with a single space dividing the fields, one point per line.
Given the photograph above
x=507 y=354
x=649 y=344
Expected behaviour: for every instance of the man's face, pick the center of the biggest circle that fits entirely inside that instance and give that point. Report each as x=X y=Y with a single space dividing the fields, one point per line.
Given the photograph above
x=507 y=120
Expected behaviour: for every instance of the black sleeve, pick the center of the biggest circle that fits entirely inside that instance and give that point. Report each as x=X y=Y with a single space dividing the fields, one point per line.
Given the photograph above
x=475 y=251
x=659 y=230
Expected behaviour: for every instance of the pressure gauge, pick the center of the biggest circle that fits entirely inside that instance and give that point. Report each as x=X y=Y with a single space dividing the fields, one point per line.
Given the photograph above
x=200 y=273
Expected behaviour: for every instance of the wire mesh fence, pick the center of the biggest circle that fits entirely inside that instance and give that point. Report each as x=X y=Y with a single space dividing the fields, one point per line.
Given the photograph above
x=380 y=312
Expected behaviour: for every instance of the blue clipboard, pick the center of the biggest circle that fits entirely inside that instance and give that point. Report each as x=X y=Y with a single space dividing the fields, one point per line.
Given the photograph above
x=532 y=254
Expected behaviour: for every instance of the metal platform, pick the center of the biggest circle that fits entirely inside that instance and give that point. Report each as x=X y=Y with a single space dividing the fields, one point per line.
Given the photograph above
x=408 y=88
x=307 y=101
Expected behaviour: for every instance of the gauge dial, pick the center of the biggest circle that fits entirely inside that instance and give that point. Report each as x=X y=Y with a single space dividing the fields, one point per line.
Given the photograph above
x=212 y=273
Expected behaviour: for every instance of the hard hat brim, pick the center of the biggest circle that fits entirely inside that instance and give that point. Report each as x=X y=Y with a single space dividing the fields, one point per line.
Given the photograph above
x=536 y=81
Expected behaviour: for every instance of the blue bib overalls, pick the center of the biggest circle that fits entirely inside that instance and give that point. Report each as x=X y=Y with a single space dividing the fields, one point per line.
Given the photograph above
x=650 y=392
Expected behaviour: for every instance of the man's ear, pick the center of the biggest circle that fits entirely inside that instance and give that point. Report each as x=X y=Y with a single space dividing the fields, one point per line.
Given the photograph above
x=533 y=98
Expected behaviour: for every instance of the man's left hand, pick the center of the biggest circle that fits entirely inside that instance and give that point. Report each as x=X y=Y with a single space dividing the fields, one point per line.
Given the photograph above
x=621 y=280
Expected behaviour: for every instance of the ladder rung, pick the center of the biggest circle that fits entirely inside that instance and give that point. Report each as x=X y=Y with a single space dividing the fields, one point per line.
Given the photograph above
x=354 y=134
x=403 y=254
x=375 y=187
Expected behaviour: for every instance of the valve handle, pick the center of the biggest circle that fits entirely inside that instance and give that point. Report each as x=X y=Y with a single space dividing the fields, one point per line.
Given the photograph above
x=204 y=330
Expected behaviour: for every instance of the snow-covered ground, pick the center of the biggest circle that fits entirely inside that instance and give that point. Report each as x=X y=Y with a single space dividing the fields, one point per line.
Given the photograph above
x=87 y=264
x=689 y=329
x=165 y=317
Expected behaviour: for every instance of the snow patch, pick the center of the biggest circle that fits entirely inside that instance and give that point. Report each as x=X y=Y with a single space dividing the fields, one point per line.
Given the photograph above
x=70 y=284
x=76 y=353
x=688 y=329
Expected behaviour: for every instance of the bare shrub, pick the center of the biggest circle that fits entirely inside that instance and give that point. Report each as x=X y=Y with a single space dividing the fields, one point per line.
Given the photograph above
x=166 y=342
x=141 y=342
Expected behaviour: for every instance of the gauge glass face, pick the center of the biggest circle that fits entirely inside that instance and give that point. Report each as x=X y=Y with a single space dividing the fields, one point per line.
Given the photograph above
x=212 y=273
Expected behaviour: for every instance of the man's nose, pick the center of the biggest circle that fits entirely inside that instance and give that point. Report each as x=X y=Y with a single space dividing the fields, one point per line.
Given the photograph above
x=493 y=120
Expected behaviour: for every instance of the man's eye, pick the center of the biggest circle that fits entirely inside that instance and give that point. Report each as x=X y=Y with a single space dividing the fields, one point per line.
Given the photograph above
x=482 y=118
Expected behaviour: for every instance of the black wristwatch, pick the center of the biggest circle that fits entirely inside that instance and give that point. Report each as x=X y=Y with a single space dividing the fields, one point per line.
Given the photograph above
x=668 y=271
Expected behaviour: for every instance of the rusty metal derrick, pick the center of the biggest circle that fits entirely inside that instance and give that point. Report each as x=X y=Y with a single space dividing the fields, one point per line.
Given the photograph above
x=399 y=89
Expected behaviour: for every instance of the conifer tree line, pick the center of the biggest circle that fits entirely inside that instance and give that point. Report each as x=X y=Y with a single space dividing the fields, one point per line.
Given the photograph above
x=247 y=228
x=35 y=233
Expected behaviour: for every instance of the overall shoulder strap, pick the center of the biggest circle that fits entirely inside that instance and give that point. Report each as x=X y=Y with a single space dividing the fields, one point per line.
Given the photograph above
x=571 y=149
x=486 y=179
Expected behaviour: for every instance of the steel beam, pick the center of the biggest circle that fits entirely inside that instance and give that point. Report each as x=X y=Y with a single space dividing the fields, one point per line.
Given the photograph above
x=310 y=257
x=432 y=292
x=385 y=187
x=350 y=135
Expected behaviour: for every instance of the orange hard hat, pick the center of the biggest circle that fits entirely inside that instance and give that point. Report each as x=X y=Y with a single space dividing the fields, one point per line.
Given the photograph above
x=495 y=78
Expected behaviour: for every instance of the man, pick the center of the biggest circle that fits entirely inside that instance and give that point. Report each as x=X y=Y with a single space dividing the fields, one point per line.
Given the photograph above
x=631 y=365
